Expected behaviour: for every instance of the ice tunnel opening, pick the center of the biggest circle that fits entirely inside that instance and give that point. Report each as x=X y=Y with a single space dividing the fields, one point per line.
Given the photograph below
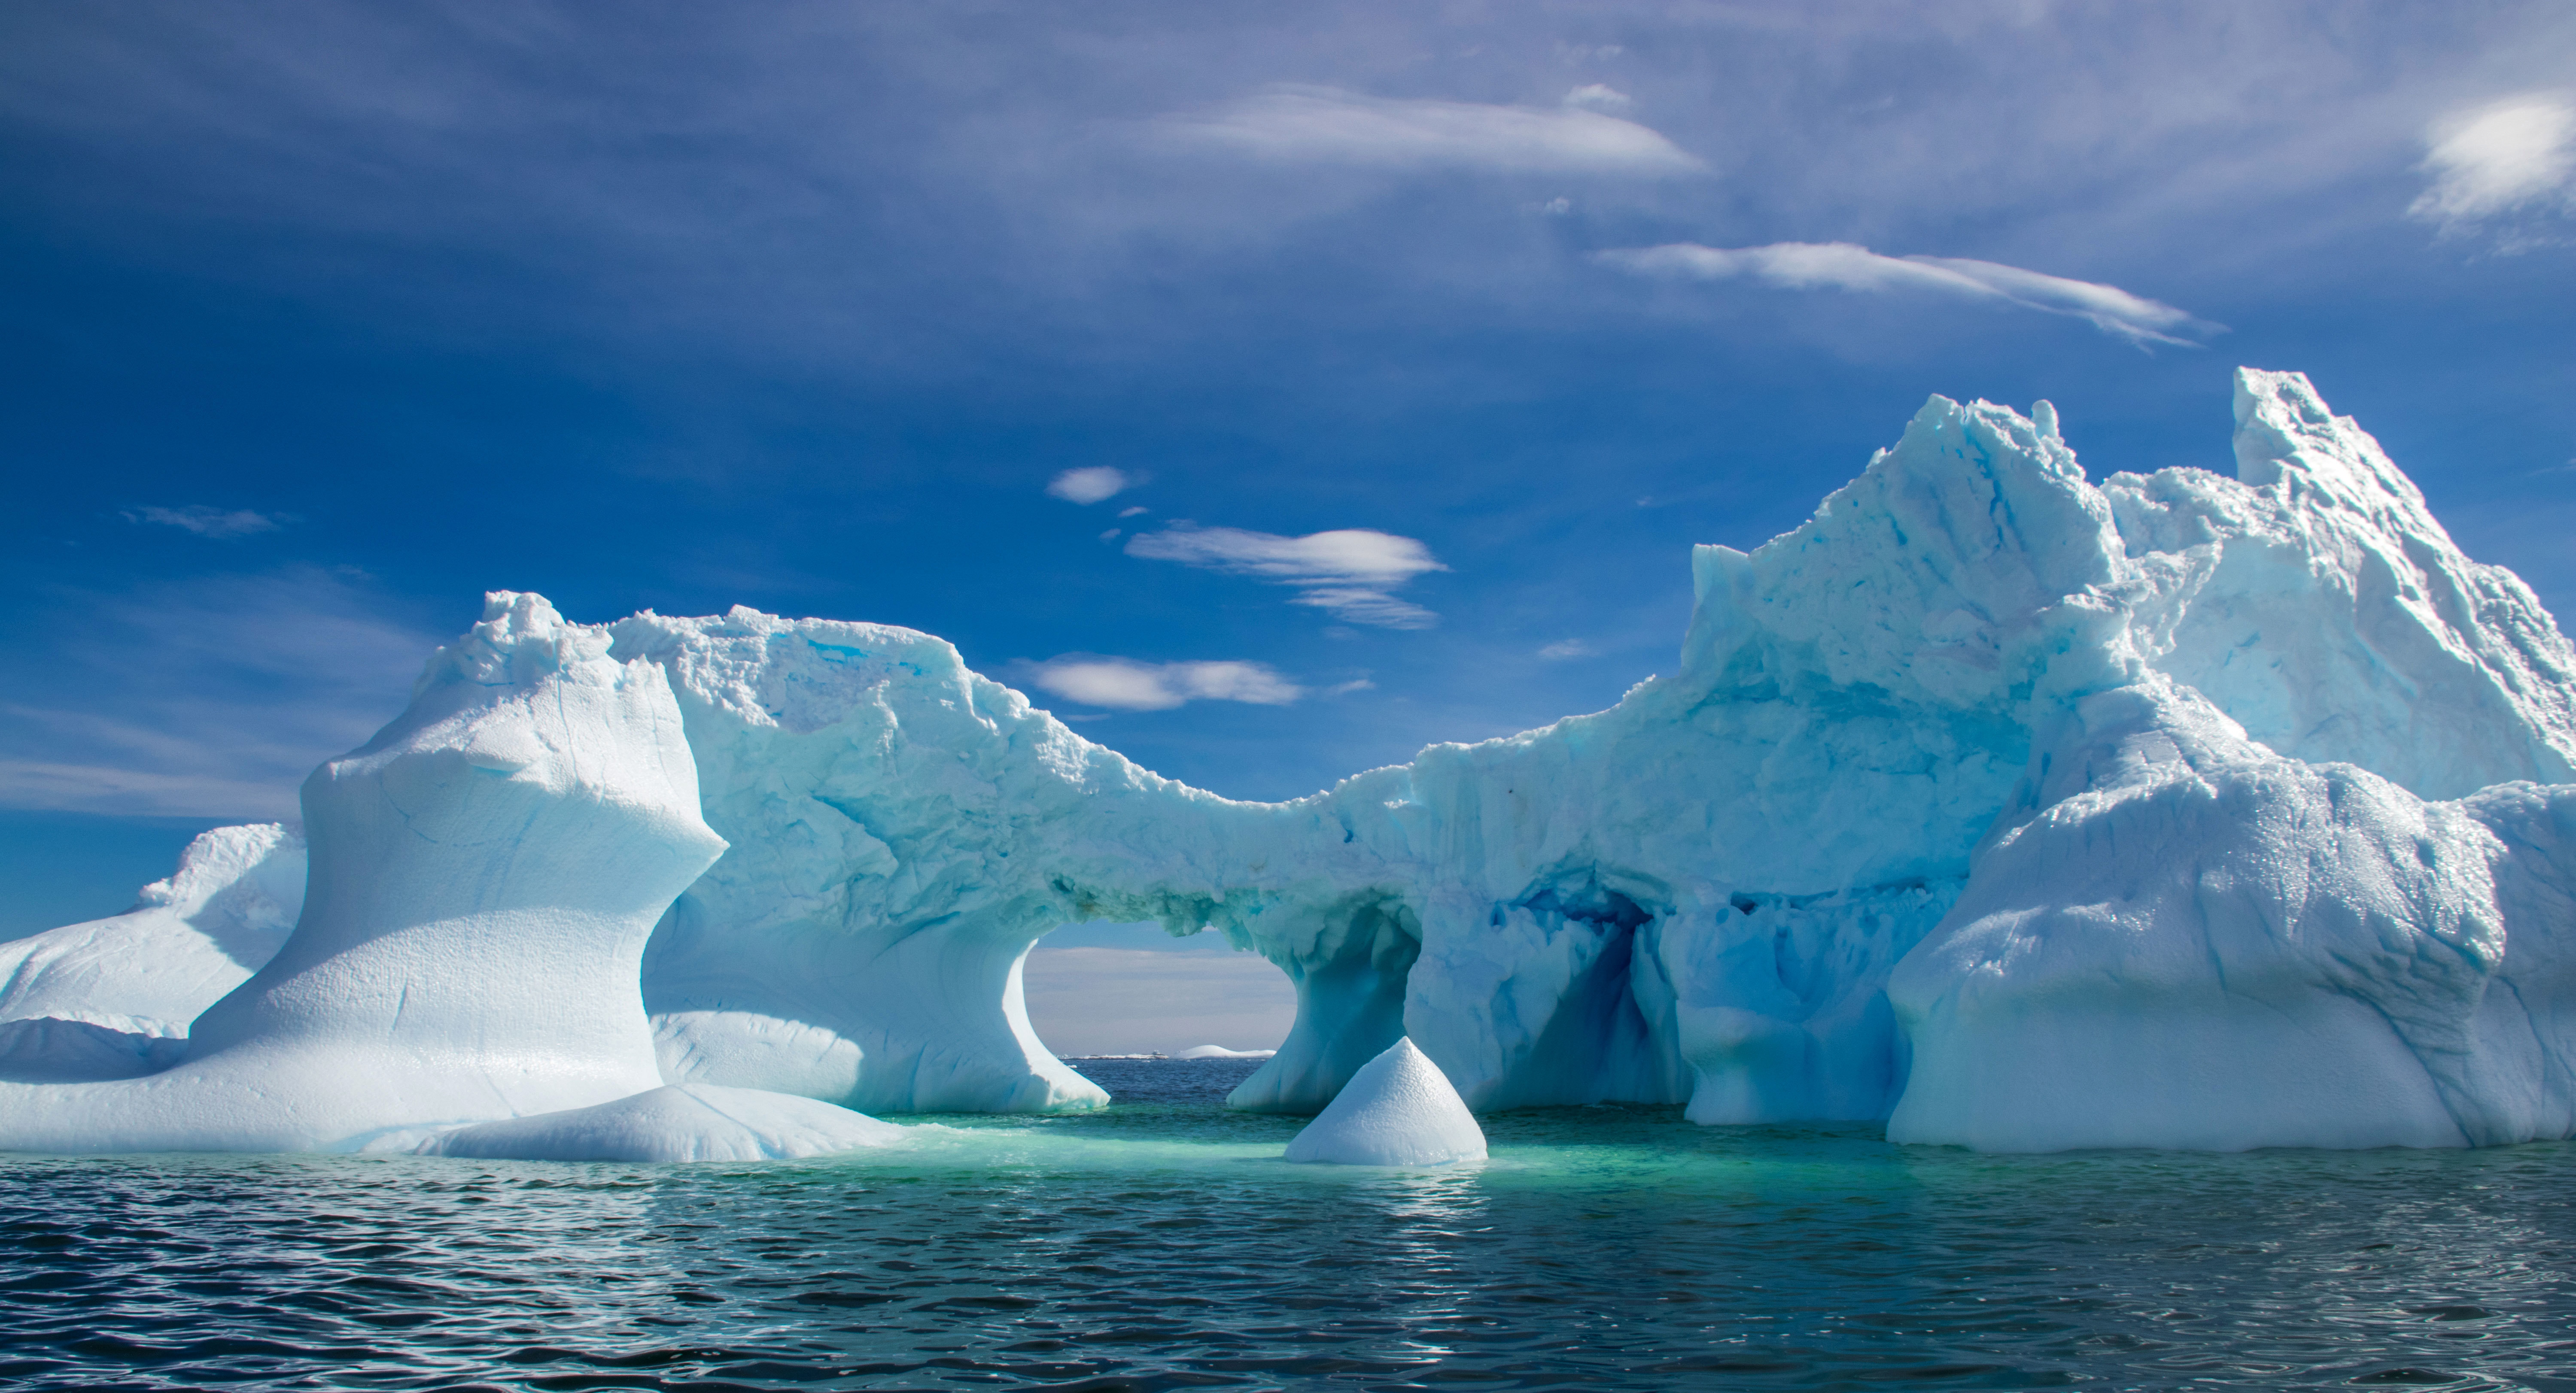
x=1105 y=989
x=1595 y=1043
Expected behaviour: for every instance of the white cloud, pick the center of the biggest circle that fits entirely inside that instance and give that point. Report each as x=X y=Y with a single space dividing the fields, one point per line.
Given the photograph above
x=2513 y=156
x=1124 y=684
x=1137 y=511
x=1599 y=96
x=1089 y=486
x=210 y=522
x=1329 y=126
x=1585 y=53
x=1566 y=649
x=1350 y=573
x=1847 y=266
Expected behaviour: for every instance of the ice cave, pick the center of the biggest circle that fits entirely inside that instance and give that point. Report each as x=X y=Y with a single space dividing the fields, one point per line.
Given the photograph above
x=2015 y=810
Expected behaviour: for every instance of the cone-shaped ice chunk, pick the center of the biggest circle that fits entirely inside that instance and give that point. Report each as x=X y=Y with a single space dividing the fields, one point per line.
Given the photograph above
x=1398 y=1110
x=694 y=1122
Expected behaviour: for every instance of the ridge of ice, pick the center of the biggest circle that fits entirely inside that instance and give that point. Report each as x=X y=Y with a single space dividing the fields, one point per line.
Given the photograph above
x=1398 y=1110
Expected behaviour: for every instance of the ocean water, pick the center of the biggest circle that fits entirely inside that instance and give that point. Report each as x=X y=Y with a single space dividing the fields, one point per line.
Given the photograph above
x=1161 y=1245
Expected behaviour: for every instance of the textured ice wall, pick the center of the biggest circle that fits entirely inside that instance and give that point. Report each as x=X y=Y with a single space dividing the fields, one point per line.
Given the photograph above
x=2179 y=938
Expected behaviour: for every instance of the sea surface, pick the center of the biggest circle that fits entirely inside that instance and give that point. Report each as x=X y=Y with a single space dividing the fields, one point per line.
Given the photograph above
x=1161 y=1244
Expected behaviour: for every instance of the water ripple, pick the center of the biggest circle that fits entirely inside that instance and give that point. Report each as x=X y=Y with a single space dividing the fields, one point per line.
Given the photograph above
x=1160 y=1245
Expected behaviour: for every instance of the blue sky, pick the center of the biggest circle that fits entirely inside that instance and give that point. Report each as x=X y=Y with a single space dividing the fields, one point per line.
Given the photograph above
x=1426 y=339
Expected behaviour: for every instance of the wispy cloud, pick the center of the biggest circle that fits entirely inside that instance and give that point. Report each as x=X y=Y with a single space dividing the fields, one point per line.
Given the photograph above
x=1351 y=573
x=1089 y=486
x=1566 y=650
x=210 y=522
x=1328 y=126
x=1124 y=684
x=2509 y=158
x=1599 y=96
x=211 y=696
x=1848 y=266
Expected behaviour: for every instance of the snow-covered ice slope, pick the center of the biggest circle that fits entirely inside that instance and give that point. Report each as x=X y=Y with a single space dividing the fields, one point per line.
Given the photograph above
x=2020 y=811
x=2178 y=934
x=676 y=1122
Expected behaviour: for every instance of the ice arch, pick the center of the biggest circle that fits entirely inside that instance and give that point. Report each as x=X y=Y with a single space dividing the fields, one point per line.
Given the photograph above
x=1704 y=895
x=1124 y=989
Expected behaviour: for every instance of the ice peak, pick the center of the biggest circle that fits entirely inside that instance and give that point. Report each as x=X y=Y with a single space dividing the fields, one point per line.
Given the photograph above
x=520 y=639
x=2043 y=416
x=226 y=857
x=2285 y=430
x=521 y=609
x=1977 y=530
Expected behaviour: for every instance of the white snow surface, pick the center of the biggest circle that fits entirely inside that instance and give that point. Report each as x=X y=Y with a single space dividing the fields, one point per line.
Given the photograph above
x=1398 y=1110
x=2020 y=811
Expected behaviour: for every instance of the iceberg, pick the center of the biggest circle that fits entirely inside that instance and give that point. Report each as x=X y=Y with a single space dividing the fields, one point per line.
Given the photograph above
x=2010 y=808
x=1398 y=1110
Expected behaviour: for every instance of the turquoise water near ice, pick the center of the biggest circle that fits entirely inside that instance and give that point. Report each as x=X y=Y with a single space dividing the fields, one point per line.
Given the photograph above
x=1161 y=1245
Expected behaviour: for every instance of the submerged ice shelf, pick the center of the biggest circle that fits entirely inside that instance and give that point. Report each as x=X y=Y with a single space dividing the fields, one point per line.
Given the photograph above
x=2019 y=811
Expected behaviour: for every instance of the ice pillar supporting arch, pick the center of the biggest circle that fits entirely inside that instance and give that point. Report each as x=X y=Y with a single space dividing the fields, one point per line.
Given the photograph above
x=1350 y=1004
